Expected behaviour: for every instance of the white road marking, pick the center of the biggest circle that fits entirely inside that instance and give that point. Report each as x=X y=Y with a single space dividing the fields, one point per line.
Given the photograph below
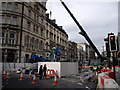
x=87 y=87
x=81 y=80
x=80 y=84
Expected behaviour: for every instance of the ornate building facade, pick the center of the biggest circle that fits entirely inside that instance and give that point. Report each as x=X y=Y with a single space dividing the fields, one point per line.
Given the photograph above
x=25 y=30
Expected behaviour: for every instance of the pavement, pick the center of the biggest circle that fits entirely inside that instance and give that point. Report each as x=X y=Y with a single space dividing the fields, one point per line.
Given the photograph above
x=72 y=82
x=118 y=77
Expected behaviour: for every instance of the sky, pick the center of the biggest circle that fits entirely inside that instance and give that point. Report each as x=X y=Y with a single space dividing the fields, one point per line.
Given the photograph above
x=97 y=17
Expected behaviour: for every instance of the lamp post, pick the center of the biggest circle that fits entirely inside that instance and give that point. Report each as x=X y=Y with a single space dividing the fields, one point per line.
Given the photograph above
x=5 y=59
x=16 y=56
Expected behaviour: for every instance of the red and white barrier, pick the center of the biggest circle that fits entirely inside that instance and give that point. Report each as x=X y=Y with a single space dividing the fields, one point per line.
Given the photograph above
x=51 y=72
x=106 y=81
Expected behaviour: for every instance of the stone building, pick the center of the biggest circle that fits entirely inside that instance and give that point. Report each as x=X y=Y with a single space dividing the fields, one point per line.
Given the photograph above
x=85 y=52
x=72 y=51
x=25 y=30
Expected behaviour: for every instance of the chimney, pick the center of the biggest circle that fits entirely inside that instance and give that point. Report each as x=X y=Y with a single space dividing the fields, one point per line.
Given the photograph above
x=47 y=15
x=54 y=21
x=60 y=27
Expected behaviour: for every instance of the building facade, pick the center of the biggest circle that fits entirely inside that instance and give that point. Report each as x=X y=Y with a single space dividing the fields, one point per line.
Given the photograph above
x=27 y=30
x=85 y=52
x=72 y=51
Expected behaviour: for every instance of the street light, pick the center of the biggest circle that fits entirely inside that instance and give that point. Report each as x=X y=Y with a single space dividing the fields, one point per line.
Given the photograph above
x=5 y=58
x=15 y=58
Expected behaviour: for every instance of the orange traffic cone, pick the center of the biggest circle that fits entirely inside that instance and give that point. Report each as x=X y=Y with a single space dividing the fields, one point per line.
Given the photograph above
x=4 y=74
x=30 y=75
x=34 y=79
x=21 y=76
x=55 y=80
x=8 y=75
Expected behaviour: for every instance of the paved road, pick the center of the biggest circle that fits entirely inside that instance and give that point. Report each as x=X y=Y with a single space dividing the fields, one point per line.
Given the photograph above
x=68 y=82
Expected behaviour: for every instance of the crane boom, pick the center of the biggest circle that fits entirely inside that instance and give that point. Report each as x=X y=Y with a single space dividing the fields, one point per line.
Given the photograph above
x=83 y=31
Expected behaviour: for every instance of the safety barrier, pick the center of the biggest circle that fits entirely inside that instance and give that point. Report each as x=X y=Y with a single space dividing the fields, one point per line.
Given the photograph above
x=106 y=81
x=108 y=72
x=51 y=72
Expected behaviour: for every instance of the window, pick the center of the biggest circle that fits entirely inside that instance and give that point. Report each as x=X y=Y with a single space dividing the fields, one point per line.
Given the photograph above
x=47 y=34
x=37 y=43
x=15 y=7
x=55 y=38
x=3 y=6
x=12 y=38
x=12 y=35
x=42 y=21
x=8 y=19
x=27 y=42
x=37 y=29
x=34 y=16
x=9 y=6
x=41 y=45
x=34 y=28
x=37 y=17
x=41 y=32
x=29 y=13
x=32 y=43
x=29 y=26
x=14 y=20
x=3 y=19
x=51 y=36
x=2 y=39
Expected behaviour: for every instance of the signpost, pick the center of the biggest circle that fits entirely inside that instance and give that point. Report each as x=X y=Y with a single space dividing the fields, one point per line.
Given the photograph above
x=113 y=48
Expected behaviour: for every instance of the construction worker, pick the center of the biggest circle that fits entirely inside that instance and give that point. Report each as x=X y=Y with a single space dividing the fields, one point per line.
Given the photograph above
x=41 y=72
x=44 y=70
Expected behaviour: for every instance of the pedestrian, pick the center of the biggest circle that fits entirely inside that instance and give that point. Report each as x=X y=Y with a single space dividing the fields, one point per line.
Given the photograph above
x=44 y=70
x=41 y=72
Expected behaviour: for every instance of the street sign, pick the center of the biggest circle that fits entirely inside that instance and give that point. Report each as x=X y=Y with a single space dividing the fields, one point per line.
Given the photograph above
x=47 y=54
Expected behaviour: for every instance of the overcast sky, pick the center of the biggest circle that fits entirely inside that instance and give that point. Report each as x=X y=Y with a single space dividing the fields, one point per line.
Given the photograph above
x=98 y=18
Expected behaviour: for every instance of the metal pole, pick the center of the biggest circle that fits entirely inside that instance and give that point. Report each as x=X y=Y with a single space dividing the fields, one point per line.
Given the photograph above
x=103 y=52
x=114 y=66
x=14 y=60
x=21 y=32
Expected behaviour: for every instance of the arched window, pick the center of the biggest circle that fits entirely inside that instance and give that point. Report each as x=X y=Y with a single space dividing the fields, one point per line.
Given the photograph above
x=3 y=6
x=15 y=7
x=9 y=6
x=11 y=38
